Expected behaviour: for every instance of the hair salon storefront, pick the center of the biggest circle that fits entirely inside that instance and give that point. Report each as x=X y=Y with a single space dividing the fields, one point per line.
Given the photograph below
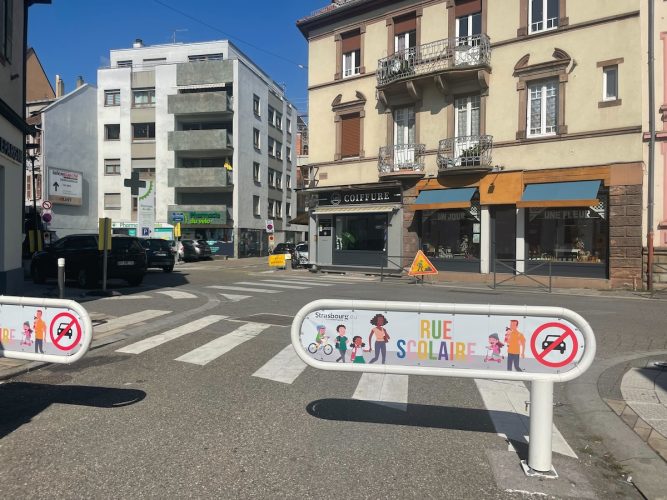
x=356 y=228
x=573 y=222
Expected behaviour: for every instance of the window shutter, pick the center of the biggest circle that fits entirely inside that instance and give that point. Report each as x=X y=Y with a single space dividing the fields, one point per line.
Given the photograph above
x=467 y=7
x=405 y=24
x=351 y=42
x=350 y=136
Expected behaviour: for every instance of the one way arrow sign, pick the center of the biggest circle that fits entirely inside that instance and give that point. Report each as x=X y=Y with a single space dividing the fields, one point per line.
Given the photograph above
x=56 y=186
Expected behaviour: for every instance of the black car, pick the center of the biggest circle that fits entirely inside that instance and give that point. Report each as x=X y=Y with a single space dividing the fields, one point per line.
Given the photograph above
x=190 y=250
x=286 y=248
x=159 y=253
x=551 y=339
x=84 y=262
x=203 y=249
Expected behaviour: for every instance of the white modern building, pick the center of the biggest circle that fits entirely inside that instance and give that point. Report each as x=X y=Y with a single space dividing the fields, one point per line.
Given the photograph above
x=213 y=132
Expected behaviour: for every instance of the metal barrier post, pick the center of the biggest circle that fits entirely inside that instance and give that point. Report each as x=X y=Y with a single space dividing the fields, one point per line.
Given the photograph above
x=541 y=423
x=550 y=276
x=61 y=278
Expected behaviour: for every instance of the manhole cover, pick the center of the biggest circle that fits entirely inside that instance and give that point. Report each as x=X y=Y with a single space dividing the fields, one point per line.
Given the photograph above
x=269 y=319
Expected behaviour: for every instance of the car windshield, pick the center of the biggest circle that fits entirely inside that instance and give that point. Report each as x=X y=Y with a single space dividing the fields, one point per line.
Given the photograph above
x=131 y=244
x=302 y=248
x=158 y=245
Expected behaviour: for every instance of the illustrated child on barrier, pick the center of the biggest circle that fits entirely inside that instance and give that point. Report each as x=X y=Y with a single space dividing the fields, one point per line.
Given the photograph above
x=27 y=332
x=321 y=336
x=381 y=337
x=341 y=342
x=357 y=346
x=495 y=346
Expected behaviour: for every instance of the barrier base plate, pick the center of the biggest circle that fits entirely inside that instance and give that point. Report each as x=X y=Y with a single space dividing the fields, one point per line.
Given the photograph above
x=550 y=474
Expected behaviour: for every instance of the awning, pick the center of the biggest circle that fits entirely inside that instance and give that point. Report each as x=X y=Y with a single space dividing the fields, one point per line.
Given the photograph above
x=356 y=209
x=561 y=194
x=433 y=199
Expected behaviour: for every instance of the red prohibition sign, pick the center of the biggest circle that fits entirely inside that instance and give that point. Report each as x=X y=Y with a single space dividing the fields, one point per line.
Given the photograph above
x=541 y=355
x=56 y=336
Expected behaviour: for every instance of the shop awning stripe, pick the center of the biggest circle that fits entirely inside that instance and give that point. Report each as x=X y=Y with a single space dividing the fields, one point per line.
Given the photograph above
x=561 y=194
x=444 y=198
x=358 y=209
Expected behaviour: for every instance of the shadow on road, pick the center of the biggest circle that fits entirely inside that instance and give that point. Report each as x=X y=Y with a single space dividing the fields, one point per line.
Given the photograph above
x=21 y=401
x=418 y=415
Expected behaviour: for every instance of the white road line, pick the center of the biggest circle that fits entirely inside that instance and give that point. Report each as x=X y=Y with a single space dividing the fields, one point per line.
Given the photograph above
x=157 y=340
x=506 y=402
x=243 y=289
x=289 y=281
x=284 y=367
x=216 y=348
x=130 y=319
x=384 y=389
x=127 y=297
x=254 y=283
x=178 y=294
x=235 y=298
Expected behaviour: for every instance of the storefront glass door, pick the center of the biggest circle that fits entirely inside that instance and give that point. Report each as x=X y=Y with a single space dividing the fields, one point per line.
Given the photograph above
x=503 y=236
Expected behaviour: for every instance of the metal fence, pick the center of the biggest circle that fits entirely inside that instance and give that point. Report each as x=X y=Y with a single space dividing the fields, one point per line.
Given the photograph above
x=465 y=151
x=510 y=266
x=401 y=158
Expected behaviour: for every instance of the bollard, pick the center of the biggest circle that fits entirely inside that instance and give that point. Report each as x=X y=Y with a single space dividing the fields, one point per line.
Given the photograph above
x=61 y=278
x=541 y=422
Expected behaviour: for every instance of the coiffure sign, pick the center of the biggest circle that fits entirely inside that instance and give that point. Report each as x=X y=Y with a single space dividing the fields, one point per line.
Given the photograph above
x=361 y=196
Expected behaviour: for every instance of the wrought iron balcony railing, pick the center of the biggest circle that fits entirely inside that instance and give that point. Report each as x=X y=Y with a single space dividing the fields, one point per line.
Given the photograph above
x=403 y=158
x=450 y=53
x=465 y=151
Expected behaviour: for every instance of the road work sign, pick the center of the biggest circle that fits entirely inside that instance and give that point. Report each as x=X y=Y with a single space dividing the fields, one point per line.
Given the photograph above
x=421 y=265
x=277 y=260
x=51 y=330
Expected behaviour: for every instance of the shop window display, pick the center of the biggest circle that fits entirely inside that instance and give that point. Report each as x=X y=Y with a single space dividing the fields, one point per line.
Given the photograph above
x=363 y=232
x=451 y=238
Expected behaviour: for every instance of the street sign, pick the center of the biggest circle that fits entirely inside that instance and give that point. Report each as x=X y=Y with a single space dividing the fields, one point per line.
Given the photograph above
x=269 y=226
x=65 y=187
x=421 y=265
x=50 y=330
x=277 y=260
x=177 y=217
x=104 y=225
x=47 y=216
x=554 y=344
x=47 y=205
x=271 y=239
x=177 y=230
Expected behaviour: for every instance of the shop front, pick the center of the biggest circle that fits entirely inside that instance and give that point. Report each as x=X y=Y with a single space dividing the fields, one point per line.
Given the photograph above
x=205 y=224
x=357 y=227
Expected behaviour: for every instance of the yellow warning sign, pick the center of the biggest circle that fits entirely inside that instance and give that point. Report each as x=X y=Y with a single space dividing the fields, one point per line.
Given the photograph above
x=277 y=260
x=421 y=265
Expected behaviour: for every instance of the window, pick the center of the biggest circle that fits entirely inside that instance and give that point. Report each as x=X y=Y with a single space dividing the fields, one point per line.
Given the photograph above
x=278 y=121
x=6 y=29
x=288 y=209
x=203 y=162
x=467 y=27
x=288 y=182
x=143 y=131
x=124 y=64
x=288 y=153
x=272 y=177
x=111 y=201
x=255 y=172
x=351 y=53
x=272 y=146
x=112 y=132
x=610 y=83
x=351 y=63
x=256 y=207
x=112 y=97
x=279 y=209
x=543 y=15
x=154 y=61
x=361 y=232
x=255 y=138
x=112 y=167
x=279 y=180
x=279 y=150
x=206 y=57
x=256 y=105
x=143 y=98
x=467 y=116
x=272 y=116
x=542 y=108
x=271 y=208
x=350 y=136
x=288 y=125
x=452 y=234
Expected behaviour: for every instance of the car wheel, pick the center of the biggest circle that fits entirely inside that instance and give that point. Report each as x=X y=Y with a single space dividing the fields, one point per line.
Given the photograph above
x=135 y=280
x=38 y=277
x=168 y=269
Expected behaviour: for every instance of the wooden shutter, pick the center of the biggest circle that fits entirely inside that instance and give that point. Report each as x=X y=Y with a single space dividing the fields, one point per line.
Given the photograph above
x=351 y=41
x=350 y=136
x=405 y=24
x=467 y=7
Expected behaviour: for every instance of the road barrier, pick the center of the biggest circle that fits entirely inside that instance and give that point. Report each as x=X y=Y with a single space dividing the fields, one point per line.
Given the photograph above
x=454 y=340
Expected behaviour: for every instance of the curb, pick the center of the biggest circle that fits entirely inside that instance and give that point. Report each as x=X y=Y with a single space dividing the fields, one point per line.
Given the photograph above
x=648 y=434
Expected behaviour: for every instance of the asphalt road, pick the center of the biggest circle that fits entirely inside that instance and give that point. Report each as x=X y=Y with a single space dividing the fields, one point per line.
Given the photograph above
x=133 y=420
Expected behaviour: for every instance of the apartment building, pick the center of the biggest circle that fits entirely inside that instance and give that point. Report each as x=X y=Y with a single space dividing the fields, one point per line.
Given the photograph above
x=210 y=132
x=502 y=135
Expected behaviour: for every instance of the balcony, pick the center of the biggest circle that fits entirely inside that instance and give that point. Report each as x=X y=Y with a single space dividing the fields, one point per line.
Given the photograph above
x=465 y=154
x=450 y=62
x=200 y=103
x=185 y=141
x=401 y=161
x=207 y=179
x=204 y=73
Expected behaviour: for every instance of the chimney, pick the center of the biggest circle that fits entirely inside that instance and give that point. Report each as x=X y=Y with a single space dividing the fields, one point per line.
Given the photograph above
x=60 y=86
x=79 y=82
x=138 y=43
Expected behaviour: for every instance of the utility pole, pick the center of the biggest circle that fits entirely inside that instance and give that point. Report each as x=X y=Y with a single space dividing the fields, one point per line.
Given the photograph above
x=651 y=145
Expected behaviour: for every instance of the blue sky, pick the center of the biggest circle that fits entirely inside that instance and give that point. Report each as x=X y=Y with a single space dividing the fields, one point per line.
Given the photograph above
x=73 y=37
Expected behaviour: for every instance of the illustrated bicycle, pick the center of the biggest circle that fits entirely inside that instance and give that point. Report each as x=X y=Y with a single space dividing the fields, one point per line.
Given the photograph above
x=326 y=347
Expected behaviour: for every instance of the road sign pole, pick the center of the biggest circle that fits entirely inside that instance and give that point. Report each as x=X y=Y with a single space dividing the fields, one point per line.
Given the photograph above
x=541 y=423
x=105 y=249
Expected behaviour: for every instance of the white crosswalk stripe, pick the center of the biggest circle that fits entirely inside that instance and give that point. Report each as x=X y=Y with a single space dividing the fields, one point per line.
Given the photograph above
x=254 y=283
x=385 y=389
x=216 y=348
x=130 y=319
x=290 y=281
x=506 y=402
x=178 y=294
x=127 y=297
x=235 y=298
x=243 y=289
x=284 y=367
x=157 y=340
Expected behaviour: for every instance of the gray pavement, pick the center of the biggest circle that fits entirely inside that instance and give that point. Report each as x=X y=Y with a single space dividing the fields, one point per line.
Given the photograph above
x=153 y=424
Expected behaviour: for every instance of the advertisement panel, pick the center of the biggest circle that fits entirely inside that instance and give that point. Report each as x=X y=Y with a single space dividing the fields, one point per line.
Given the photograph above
x=146 y=210
x=65 y=187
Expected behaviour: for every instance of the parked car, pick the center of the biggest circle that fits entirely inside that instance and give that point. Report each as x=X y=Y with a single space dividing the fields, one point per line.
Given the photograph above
x=83 y=260
x=190 y=250
x=203 y=249
x=300 y=256
x=159 y=254
x=286 y=248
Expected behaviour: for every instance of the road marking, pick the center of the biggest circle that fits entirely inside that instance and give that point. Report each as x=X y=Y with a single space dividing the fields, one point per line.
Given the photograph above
x=130 y=319
x=243 y=289
x=284 y=367
x=506 y=403
x=384 y=389
x=289 y=281
x=252 y=283
x=216 y=348
x=235 y=298
x=157 y=340
x=126 y=297
x=178 y=294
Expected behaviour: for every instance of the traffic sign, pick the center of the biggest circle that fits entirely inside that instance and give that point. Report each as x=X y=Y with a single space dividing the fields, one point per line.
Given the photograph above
x=269 y=226
x=277 y=260
x=65 y=331
x=421 y=265
x=177 y=217
x=104 y=227
x=145 y=231
x=47 y=216
x=554 y=344
x=271 y=238
x=47 y=205
x=177 y=230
